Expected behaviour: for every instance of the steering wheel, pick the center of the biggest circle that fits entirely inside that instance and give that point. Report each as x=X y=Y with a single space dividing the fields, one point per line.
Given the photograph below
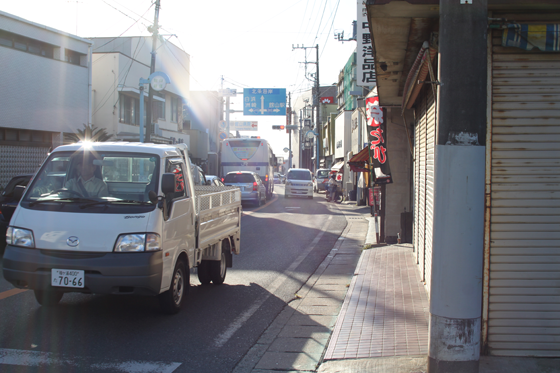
x=69 y=191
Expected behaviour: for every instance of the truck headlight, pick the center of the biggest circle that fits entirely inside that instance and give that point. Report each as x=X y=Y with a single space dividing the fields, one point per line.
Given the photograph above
x=129 y=243
x=310 y=184
x=20 y=237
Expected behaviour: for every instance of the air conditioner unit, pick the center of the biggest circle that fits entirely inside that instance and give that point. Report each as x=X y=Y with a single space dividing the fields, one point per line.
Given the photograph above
x=157 y=130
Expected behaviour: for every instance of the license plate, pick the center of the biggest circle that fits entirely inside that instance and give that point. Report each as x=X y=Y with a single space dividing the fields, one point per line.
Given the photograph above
x=69 y=278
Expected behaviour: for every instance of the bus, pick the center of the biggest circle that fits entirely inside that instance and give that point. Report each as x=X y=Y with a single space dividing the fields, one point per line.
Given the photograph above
x=249 y=154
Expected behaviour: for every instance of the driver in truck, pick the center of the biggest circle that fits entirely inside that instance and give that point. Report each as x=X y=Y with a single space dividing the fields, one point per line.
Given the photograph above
x=86 y=182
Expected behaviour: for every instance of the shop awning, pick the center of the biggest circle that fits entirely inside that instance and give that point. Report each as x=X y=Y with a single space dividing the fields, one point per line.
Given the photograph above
x=417 y=74
x=337 y=167
x=359 y=162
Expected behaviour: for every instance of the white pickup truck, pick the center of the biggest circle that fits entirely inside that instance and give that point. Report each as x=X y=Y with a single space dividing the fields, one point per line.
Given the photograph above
x=120 y=218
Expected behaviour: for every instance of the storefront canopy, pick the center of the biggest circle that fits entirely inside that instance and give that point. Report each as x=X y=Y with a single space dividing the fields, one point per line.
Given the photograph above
x=338 y=166
x=359 y=162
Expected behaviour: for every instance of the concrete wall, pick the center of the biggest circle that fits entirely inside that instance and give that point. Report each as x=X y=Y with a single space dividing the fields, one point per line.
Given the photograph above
x=398 y=194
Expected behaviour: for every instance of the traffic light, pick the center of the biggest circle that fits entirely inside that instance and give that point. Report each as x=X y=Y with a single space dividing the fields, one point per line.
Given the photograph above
x=278 y=127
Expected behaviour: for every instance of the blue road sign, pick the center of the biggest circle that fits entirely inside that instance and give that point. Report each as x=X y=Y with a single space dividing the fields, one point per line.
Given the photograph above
x=264 y=101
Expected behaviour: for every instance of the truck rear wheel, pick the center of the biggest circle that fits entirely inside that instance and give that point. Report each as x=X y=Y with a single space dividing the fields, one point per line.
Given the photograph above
x=171 y=300
x=48 y=298
x=203 y=270
x=218 y=269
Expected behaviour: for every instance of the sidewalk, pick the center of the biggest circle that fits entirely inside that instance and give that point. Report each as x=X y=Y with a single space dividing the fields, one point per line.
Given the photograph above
x=361 y=311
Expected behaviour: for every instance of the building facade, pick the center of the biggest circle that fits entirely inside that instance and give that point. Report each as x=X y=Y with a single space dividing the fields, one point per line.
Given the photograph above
x=45 y=92
x=118 y=65
x=482 y=118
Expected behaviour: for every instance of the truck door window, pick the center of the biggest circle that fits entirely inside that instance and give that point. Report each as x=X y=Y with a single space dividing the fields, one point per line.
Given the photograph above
x=181 y=185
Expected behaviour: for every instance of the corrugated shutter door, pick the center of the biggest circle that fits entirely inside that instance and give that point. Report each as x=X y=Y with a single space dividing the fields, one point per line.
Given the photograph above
x=430 y=152
x=524 y=268
x=420 y=183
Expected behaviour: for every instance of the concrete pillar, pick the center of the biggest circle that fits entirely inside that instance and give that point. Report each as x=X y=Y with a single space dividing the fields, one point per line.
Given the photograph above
x=457 y=255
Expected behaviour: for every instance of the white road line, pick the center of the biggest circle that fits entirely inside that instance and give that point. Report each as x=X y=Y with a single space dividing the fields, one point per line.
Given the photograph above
x=37 y=358
x=241 y=319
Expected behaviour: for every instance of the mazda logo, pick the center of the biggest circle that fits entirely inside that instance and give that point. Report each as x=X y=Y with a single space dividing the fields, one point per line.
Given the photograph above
x=72 y=241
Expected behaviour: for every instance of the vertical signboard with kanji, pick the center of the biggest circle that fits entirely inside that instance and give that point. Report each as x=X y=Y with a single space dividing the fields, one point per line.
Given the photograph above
x=377 y=126
x=365 y=67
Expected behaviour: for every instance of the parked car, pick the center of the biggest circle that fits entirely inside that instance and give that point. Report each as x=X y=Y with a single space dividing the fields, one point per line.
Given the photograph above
x=213 y=180
x=299 y=182
x=321 y=180
x=9 y=202
x=250 y=184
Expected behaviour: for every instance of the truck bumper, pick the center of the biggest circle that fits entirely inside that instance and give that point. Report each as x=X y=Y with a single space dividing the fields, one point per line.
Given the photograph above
x=105 y=273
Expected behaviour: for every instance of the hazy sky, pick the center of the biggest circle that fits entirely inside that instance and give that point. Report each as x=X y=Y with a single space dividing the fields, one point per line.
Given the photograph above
x=248 y=42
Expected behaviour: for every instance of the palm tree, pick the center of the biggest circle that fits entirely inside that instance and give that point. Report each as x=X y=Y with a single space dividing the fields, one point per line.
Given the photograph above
x=89 y=133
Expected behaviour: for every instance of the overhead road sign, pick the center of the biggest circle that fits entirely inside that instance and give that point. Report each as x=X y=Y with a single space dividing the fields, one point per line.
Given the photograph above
x=264 y=101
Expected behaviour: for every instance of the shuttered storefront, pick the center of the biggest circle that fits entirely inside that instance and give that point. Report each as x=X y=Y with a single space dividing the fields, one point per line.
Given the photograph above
x=522 y=301
x=424 y=145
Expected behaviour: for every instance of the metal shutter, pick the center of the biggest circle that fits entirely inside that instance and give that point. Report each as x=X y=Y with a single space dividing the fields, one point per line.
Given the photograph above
x=430 y=150
x=424 y=148
x=420 y=184
x=523 y=299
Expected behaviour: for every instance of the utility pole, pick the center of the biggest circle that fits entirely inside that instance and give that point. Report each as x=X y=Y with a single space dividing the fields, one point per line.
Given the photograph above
x=154 y=30
x=290 y=131
x=318 y=106
x=316 y=97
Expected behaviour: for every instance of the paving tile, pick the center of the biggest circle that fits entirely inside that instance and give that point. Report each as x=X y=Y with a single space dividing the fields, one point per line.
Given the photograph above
x=386 y=309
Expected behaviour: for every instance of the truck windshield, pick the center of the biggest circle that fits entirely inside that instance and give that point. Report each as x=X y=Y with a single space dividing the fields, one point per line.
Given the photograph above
x=111 y=177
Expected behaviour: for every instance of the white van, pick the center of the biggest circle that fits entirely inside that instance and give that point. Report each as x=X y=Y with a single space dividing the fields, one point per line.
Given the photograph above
x=299 y=182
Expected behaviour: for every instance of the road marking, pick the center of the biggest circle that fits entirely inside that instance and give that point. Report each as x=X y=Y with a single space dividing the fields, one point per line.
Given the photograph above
x=9 y=293
x=37 y=358
x=272 y=288
x=260 y=207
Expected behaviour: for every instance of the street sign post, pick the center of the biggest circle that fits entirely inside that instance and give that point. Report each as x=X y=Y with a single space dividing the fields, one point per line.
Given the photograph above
x=264 y=101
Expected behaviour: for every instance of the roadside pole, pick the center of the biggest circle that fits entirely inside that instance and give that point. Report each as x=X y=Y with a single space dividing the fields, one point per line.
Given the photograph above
x=459 y=190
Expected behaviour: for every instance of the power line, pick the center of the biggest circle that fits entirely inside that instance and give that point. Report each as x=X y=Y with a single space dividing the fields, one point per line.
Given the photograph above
x=135 y=22
x=332 y=23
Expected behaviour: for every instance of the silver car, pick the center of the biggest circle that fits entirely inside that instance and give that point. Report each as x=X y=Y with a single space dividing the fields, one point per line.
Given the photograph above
x=250 y=184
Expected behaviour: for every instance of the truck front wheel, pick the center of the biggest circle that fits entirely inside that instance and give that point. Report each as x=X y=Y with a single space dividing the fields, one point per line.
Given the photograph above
x=218 y=269
x=171 y=300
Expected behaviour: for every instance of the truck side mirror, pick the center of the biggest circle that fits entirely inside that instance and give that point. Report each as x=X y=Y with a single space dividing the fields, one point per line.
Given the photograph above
x=18 y=192
x=168 y=183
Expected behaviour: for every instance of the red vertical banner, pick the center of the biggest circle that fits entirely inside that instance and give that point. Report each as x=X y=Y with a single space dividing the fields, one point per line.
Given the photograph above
x=377 y=127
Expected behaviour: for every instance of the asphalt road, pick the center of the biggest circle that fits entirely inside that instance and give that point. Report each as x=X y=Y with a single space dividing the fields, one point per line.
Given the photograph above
x=214 y=330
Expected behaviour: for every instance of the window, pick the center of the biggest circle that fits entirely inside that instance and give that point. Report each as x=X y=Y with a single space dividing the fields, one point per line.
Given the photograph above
x=158 y=110
x=175 y=109
x=129 y=109
x=72 y=57
x=175 y=166
x=25 y=44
